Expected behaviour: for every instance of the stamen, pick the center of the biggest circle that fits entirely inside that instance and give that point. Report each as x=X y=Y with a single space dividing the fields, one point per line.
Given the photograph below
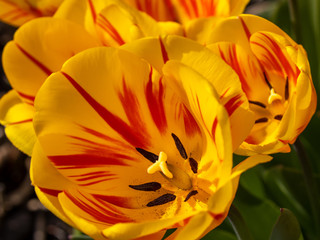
x=278 y=117
x=257 y=103
x=261 y=120
x=194 y=165
x=160 y=166
x=273 y=96
x=190 y=194
x=148 y=155
x=168 y=197
x=286 y=91
x=179 y=146
x=151 y=186
x=267 y=81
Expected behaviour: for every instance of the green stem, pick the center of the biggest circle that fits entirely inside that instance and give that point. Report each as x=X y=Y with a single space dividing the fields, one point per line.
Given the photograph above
x=311 y=185
x=238 y=224
x=294 y=18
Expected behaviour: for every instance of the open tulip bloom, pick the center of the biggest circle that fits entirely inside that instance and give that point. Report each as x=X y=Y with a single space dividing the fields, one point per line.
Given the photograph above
x=275 y=75
x=125 y=151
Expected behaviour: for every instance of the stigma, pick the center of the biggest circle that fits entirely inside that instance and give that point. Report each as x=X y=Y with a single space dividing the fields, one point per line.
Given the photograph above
x=160 y=166
x=274 y=96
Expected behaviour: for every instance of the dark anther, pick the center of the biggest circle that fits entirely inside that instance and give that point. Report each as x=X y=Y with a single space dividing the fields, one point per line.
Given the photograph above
x=190 y=194
x=286 y=91
x=151 y=186
x=148 y=155
x=278 y=117
x=257 y=103
x=162 y=200
x=179 y=146
x=261 y=120
x=267 y=81
x=194 y=165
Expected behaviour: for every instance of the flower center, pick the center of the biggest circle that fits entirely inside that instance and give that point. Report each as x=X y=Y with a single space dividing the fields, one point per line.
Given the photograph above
x=173 y=174
x=268 y=113
x=178 y=175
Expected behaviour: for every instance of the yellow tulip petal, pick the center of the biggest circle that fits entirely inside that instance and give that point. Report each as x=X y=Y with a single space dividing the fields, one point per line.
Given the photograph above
x=243 y=26
x=48 y=183
x=159 y=10
x=249 y=163
x=134 y=230
x=18 y=12
x=118 y=23
x=74 y=11
x=51 y=202
x=237 y=7
x=196 y=226
x=200 y=29
x=203 y=102
x=17 y=116
x=225 y=82
x=39 y=48
x=71 y=210
x=186 y=9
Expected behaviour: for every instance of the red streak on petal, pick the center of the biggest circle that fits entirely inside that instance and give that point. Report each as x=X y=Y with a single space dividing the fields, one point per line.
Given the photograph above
x=185 y=7
x=219 y=216
x=195 y=8
x=245 y=28
x=284 y=141
x=190 y=124
x=131 y=106
x=28 y=97
x=92 y=10
x=98 y=213
x=129 y=133
x=251 y=140
x=77 y=161
x=115 y=200
x=104 y=137
x=96 y=182
x=20 y=122
x=233 y=104
x=232 y=60
x=224 y=94
x=110 y=29
x=51 y=192
x=283 y=59
x=163 y=51
x=213 y=129
x=34 y=60
x=155 y=104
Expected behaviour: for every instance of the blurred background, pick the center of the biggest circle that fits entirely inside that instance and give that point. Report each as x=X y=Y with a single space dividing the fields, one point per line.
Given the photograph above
x=263 y=190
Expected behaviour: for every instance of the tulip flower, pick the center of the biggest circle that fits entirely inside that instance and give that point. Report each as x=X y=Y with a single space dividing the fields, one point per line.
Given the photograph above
x=18 y=12
x=185 y=10
x=126 y=152
x=41 y=46
x=275 y=76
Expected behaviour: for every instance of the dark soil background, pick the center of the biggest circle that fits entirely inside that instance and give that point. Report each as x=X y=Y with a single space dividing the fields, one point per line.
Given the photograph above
x=22 y=216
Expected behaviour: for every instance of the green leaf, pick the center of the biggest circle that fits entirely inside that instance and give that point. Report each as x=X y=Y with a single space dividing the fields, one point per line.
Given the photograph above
x=239 y=225
x=218 y=234
x=258 y=214
x=286 y=187
x=287 y=227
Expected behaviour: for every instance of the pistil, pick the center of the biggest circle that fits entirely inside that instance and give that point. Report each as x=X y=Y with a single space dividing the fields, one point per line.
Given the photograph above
x=160 y=166
x=274 y=96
